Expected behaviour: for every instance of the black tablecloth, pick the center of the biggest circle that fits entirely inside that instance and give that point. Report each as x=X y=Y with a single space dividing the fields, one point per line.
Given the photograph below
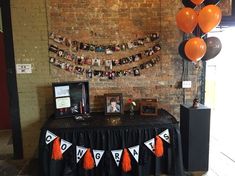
x=111 y=133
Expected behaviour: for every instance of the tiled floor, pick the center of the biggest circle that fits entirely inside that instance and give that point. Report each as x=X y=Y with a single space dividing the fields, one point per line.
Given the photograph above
x=221 y=162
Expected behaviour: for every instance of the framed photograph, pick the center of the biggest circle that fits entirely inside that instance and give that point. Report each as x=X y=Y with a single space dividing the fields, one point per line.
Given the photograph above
x=113 y=103
x=148 y=107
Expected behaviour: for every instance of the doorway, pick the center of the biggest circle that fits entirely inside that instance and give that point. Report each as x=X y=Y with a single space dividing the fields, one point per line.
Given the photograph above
x=220 y=97
x=6 y=148
x=4 y=99
x=10 y=84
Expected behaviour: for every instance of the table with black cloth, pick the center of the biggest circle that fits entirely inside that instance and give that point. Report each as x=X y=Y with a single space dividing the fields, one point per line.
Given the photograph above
x=111 y=133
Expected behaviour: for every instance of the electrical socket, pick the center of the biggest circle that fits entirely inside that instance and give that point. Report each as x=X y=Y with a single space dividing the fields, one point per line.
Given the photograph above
x=186 y=84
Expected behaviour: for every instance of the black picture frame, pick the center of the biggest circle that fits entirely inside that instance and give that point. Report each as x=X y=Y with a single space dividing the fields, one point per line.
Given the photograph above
x=75 y=94
x=117 y=99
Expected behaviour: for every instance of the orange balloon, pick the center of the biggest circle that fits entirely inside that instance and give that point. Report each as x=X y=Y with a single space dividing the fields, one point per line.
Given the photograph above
x=197 y=2
x=195 y=49
x=186 y=20
x=209 y=17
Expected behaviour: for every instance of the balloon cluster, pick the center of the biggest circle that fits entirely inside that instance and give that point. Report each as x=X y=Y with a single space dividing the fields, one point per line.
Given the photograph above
x=199 y=17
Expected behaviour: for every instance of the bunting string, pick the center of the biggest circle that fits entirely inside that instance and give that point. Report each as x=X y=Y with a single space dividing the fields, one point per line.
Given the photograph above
x=92 y=157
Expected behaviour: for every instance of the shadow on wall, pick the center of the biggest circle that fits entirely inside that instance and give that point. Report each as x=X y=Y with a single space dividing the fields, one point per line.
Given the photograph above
x=45 y=102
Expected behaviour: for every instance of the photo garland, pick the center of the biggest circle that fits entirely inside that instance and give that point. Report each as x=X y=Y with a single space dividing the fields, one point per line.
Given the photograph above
x=83 y=60
x=76 y=45
x=78 y=70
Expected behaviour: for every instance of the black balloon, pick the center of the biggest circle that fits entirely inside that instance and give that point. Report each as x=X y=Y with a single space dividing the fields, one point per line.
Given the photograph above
x=214 y=47
x=198 y=32
x=181 y=50
x=213 y=2
x=188 y=3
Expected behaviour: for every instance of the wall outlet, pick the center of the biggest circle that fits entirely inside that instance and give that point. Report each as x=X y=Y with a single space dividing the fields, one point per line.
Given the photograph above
x=186 y=84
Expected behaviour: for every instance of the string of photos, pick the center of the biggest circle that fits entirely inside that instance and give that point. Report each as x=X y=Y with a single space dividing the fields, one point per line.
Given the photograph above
x=76 y=45
x=70 y=61
x=92 y=159
x=85 y=60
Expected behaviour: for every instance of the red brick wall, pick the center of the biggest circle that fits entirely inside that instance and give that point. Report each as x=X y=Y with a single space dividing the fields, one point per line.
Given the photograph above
x=108 y=21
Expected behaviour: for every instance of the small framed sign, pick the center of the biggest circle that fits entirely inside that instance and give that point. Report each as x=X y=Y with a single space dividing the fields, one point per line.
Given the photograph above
x=148 y=107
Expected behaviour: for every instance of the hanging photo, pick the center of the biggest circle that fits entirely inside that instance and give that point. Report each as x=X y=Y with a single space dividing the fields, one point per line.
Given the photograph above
x=108 y=51
x=69 y=57
x=113 y=104
x=53 y=48
x=156 y=48
x=117 y=48
x=69 y=67
x=96 y=62
x=123 y=47
x=87 y=61
x=59 y=39
x=137 y=57
x=65 y=54
x=78 y=70
x=60 y=53
x=111 y=75
x=89 y=73
x=52 y=59
x=67 y=42
x=108 y=65
x=98 y=73
x=80 y=60
x=75 y=44
x=92 y=47
x=57 y=63
x=136 y=71
x=51 y=35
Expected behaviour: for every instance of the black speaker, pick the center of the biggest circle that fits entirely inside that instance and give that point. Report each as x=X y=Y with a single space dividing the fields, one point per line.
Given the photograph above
x=195 y=135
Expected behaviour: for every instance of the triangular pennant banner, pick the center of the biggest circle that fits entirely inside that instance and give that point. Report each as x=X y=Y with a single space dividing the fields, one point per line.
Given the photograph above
x=49 y=137
x=98 y=155
x=165 y=135
x=117 y=154
x=135 y=152
x=151 y=144
x=80 y=151
x=64 y=145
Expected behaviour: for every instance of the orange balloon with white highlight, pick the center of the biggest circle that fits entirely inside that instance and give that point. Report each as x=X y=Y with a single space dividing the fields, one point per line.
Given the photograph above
x=186 y=20
x=209 y=17
x=195 y=49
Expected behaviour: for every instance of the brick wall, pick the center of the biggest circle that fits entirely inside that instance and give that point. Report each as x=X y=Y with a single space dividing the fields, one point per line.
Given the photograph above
x=109 y=21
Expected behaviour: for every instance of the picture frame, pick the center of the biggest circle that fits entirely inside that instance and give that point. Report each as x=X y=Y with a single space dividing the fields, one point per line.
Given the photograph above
x=148 y=107
x=113 y=104
x=71 y=98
